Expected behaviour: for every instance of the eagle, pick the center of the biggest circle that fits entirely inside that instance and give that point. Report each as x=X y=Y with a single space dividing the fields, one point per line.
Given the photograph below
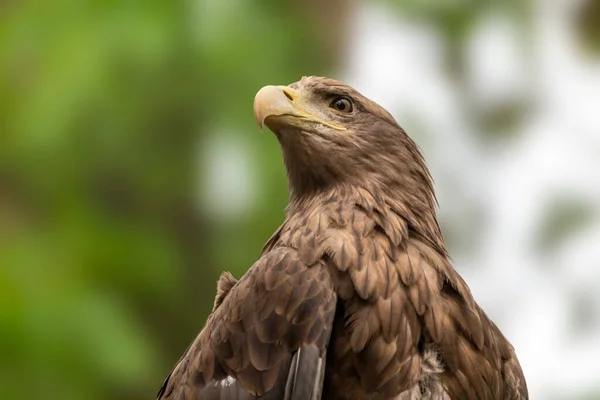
x=354 y=296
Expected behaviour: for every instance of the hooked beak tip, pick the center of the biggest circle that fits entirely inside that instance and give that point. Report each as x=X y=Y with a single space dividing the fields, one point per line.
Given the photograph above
x=272 y=101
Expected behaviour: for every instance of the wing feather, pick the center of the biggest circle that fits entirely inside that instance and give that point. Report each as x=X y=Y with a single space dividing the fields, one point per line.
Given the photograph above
x=280 y=306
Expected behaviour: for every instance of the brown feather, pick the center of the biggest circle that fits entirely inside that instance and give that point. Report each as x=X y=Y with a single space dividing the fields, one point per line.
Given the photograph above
x=224 y=285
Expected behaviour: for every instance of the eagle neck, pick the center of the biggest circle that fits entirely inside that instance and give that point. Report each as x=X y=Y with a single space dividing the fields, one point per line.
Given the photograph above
x=418 y=211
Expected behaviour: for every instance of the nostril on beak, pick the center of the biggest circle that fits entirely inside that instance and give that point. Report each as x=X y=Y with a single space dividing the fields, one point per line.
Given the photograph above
x=288 y=94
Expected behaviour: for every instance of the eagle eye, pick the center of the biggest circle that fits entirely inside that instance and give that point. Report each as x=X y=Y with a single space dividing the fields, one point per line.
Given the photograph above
x=341 y=104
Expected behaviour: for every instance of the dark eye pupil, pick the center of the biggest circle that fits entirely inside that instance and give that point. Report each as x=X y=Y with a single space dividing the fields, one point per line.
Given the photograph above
x=340 y=105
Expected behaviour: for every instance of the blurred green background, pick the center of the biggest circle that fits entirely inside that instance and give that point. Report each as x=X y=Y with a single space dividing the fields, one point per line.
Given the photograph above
x=132 y=172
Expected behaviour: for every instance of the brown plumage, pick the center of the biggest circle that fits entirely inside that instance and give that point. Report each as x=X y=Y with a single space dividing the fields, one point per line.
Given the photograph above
x=353 y=297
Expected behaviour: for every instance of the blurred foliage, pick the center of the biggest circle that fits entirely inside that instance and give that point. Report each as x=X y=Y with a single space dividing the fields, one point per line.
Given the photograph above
x=588 y=23
x=566 y=215
x=108 y=265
